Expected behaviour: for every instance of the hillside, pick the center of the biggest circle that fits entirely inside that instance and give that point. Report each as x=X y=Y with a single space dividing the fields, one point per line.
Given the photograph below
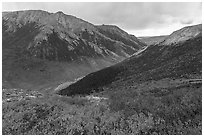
x=182 y=35
x=178 y=36
x=116 y=33
x=42 y=48
x=181 y=60
x=160 y=90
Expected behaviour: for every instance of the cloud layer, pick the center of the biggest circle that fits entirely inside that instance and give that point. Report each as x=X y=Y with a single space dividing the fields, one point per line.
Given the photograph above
x=138 y=18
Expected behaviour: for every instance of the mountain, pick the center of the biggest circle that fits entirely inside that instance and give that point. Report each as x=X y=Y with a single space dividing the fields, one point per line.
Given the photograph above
x=151 y=40
x=176 y=37
x=182 y=35
x=178 y=60
x=41 y=48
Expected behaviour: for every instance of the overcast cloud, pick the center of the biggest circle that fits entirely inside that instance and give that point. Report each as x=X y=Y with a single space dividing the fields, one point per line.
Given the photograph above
x=140 y=19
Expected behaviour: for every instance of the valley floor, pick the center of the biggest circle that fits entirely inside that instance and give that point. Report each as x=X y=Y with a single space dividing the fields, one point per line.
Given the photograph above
x=167 y=106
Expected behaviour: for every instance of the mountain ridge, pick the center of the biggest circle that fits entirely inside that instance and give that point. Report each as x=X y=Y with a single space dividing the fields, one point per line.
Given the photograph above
x=57 y=22
x=182 y=34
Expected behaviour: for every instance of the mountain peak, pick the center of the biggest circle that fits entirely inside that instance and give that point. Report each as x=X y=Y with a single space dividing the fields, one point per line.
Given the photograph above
x=59 y=12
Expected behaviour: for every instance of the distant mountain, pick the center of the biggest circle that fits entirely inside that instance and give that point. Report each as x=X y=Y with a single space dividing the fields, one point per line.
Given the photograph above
x=181 y=60
x=176 y=37
x=152 y=40
x=182 y=35
x=40 y=48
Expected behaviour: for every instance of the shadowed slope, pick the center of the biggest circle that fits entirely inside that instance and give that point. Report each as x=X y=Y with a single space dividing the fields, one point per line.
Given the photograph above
x=182 y=60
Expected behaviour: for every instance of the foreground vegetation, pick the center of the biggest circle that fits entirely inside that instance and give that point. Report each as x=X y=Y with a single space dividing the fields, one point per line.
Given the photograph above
x=172 y=110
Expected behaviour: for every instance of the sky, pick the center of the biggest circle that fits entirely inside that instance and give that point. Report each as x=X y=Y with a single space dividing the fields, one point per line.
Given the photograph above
x=137 y=18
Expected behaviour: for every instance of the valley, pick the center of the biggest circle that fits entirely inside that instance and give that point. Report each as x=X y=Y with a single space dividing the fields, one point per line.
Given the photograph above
x=65 y=76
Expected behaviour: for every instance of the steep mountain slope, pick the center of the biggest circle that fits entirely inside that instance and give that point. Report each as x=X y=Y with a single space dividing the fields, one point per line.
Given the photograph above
x=174 y=61
x=152 y=40
x=116 y=33
x=41 y=48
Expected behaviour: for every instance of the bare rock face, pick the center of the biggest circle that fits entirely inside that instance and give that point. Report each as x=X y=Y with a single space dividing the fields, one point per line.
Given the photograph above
x=182 y=35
